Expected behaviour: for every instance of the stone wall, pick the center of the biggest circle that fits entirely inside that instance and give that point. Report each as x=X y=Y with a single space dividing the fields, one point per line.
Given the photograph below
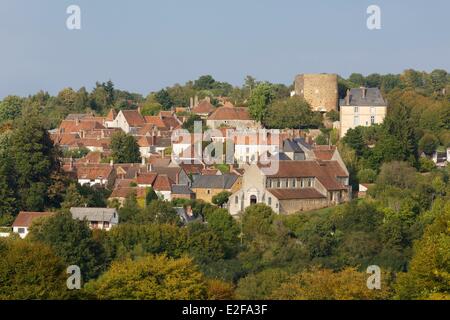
x=319 y=90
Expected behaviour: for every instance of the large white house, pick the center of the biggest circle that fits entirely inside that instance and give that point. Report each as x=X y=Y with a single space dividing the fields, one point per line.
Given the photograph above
x=361 y=107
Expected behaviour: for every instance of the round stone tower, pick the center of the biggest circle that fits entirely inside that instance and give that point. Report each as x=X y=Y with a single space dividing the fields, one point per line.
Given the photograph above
x=319 y=90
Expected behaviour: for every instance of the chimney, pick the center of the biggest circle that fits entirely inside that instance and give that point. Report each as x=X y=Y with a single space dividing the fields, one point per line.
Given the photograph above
x=143 y=161
x=77 y=121
x=208 y=99
x=363 y=92
x=347 y=98
x=71 y=163
x=111 y=163
x=196 y=100
x=191 y=103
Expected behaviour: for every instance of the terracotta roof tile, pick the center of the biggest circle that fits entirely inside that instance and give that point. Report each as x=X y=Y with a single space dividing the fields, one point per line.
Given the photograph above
x=204 y=107
x=133 y=118
x=291 y=194
x=25 y=219
x=230 y=113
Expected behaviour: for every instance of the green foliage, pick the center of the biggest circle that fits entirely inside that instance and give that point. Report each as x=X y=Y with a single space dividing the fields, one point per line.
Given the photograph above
x=260 y=99
x=367 y=176
x=333 y=115
x=150 y=196
x=164 y=99
x=157 y=212
x=124 y=148
x=428 y=143
x=30 y=271
x=76 y=153
x=226 y=228
x=428 y=276
x=35 y=161
x=321 y=140
x=221 y=198
x=292 y=112
x=73 y=241
x=260 y=286
x=10 y=108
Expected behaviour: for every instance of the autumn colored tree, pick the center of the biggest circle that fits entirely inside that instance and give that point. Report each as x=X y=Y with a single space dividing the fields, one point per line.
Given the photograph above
x=324 y=284
x=31 y=271
x=150 y=278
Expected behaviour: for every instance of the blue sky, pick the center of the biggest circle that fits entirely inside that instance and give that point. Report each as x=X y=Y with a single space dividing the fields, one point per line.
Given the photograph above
x=145 y=45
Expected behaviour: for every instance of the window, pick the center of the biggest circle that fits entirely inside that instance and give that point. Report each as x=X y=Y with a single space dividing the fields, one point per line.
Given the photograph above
x=236 y=199
x=294 y=183
x=208 y=191
x=356 y=109
x=356 y=121
x=310 y=183
x=278 y=183
x=106 y=225
x=248 y=150
x=270 y=201
x=372 y=119
x=21 y=230
x=302 y=184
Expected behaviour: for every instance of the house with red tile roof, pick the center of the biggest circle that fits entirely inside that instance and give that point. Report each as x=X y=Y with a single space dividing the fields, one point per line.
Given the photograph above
x=25 y=219
x=293 y=186
x=230 y=116
x=130 y=121
x=204 y=109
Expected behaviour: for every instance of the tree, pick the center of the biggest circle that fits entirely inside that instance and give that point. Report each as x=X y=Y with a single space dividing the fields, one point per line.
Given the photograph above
x=35 y=161
x=398 y=138
x=260 y=286
x=158 y=212
x=125 y=148
x=428 y=274
x=261 y=97
x=130 y=209
x=221 y=198
x=164 y=99
x=290 y=113
x=206 y=82
x=397 y=174
x=357 y=79
x=224 y=225
x=73 y=198
x=30 y=271
x=150 y=278
x=8 y=196
x=428 y=143
x=354 y=139
x=72 y=240
x=10 y=108
x=367 y=176
x=220 y=290
x=150 y=196
x=257 y=220
x=325 y=284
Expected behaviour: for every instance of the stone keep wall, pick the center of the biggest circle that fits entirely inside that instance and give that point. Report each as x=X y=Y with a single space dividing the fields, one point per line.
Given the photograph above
x=319 y=90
